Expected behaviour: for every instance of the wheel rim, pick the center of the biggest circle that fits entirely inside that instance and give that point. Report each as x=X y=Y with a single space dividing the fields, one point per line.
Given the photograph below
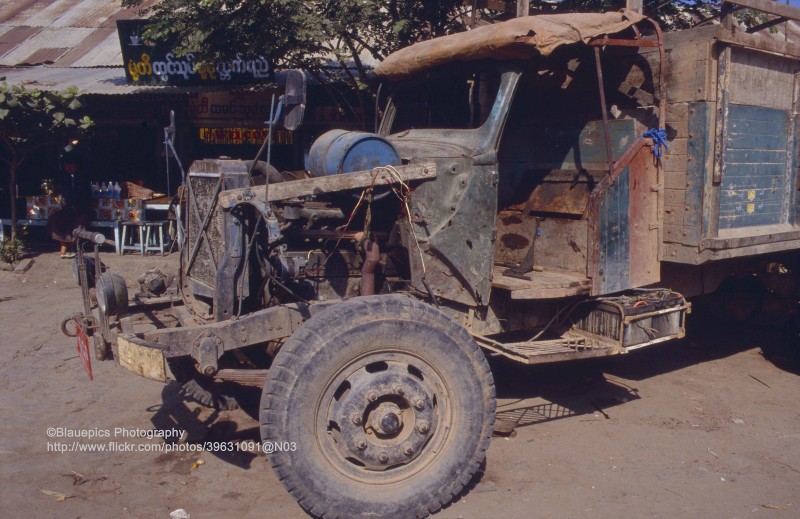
x=384 y=416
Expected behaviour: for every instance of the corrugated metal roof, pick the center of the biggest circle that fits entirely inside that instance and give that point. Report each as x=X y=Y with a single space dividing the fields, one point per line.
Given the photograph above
x=30 y=28
x=64 y=37
x=44 y=55
x=16 y=34
x=98 y=49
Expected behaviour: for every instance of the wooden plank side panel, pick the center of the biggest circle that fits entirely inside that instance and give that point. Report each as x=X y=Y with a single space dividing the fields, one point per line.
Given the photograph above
x=755 y=174
x=699 y=154
x=689 y=72
x=644 y=237
x=761 y=79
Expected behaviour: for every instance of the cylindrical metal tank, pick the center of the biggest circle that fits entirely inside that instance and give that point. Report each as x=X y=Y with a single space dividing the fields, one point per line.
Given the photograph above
x=344 y=151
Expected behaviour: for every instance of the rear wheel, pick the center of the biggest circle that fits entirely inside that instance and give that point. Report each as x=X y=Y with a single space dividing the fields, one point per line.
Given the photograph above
x=379 y=406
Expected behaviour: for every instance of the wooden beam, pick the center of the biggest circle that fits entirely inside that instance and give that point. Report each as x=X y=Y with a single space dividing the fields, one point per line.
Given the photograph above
x=331 y=184
x=766 y=25
x=635 y=5
x=523 y=8
x=768 y=6
x=759 y=42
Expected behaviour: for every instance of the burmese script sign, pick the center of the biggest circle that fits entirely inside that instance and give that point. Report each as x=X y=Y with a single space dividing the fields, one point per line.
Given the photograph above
x=151 y=65
x=231 y=106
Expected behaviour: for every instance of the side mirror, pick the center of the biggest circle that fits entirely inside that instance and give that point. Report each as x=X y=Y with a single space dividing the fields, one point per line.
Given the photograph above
x=294 y=99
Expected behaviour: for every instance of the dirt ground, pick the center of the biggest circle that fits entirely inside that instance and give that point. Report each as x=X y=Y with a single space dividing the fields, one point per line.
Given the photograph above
x=704 y=427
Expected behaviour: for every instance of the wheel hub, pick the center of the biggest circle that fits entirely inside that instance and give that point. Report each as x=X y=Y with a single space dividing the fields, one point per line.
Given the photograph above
x=384 y=417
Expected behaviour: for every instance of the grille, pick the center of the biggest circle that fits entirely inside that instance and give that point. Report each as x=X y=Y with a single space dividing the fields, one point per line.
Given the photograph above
x=206 y=179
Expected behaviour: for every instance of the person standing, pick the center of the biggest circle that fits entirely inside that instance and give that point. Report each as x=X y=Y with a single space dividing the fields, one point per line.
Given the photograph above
x=75 y=191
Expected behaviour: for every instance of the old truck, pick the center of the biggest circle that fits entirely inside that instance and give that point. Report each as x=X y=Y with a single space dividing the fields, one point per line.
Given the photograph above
x=544 y=189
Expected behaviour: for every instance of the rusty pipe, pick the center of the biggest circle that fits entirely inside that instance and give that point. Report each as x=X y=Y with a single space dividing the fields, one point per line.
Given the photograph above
x=372 y=256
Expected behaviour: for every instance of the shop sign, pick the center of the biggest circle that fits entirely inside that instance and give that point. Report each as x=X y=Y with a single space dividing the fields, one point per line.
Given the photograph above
x=152 y=65
x=244 y=135
x=239 y=106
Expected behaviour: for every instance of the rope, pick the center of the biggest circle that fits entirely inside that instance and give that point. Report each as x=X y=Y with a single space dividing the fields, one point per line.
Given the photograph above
x=659 y=137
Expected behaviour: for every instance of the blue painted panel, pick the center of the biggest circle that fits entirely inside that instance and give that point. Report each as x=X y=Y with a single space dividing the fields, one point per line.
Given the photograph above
x=614 y=246
x=755 y=175
x=760 y=156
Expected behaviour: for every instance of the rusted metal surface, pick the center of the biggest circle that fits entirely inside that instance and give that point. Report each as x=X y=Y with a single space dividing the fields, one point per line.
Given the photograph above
x=621 y=42
x=539 y=352
x=372 y=256
x=272 y=323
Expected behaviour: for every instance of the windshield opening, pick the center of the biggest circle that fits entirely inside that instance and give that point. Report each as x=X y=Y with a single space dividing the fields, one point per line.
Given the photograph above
x=452 y=100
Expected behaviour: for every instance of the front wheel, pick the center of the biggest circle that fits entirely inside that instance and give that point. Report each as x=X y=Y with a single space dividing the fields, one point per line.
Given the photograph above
x=380 y=406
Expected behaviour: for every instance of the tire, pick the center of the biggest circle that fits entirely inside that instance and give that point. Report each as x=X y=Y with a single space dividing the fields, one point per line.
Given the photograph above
x=380 y=406
x=200 y=388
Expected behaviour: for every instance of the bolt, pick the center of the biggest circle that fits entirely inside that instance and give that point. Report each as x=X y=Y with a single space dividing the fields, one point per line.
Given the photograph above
x=408 y=449
x=419 y=404
x=397 y=389
x=383 y=457
x=423 y=427
x=361 y=444
x=372 y=396
x=356 y=418
x=209 y=371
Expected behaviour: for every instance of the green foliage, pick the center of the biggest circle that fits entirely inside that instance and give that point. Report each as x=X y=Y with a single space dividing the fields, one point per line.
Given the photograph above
x=31 y=119
x=12 y=251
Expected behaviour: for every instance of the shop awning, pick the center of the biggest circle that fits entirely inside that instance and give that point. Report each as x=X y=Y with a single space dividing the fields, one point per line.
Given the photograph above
x=106 y=81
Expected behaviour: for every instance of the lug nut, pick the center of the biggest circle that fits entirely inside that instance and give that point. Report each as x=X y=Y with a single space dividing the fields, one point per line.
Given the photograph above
x=383 y=457
x=356 y=418
x=408 y=449
x=419 y=404
x=423 y=426
x=397 y=389
x=361 y=444
x=372 y=396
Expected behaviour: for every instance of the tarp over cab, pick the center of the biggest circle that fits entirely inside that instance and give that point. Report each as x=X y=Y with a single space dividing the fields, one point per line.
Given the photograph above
x=519 y=38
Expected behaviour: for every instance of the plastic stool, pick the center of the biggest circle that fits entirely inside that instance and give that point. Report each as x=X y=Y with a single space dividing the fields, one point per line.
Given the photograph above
x=154 y=236
x=136 y=239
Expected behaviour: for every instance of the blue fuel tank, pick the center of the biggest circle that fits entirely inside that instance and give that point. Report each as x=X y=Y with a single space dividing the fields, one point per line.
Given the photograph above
x=345 y=151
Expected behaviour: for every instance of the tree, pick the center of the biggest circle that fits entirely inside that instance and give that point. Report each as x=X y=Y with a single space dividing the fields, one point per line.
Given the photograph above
x=30 y=120
x=311 y=35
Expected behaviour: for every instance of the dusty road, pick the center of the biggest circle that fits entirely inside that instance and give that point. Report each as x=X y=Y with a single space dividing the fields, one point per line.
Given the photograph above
x=705 y=427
